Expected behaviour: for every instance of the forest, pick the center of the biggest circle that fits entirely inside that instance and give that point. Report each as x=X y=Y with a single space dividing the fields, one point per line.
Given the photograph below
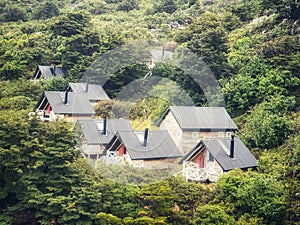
x=253 y=49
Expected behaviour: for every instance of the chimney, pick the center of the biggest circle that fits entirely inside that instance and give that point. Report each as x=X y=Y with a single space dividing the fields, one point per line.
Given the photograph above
x=54 y=69
x=232 y=147
x=145 y=137
x=104 y=126
x=66 y=97
x=87 y=86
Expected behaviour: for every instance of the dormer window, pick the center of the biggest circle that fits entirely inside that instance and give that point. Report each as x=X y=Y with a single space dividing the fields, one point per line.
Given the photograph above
x=140 y=136
x=210 y=157
x=100 y=125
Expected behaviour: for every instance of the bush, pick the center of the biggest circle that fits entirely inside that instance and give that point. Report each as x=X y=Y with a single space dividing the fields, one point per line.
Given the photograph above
x=268 y=125
x=212 y=214
x=12 y=13
x=252 y=193
x=104 y=108
x=46 y=10
x=127 y=5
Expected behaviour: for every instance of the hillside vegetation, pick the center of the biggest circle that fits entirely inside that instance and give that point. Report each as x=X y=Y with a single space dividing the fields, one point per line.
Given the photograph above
x=253 y=49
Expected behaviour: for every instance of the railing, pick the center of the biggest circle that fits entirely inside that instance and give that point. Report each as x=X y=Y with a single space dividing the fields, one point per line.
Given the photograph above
x=114 y=158
x=192 y=171
x=46 y=117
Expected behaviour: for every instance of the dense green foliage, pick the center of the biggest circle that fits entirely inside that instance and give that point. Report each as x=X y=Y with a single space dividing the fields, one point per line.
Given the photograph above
x=252 y=47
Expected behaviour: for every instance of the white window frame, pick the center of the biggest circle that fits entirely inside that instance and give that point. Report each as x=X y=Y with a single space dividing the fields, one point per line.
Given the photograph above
x=221 y=134
x=195 y=135
x=228 y=134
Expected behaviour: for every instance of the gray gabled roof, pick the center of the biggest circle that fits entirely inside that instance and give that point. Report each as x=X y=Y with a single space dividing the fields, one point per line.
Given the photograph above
x=93 y=129
x=200 y=118
x=160 y=55
x=95 y=91
x=220 y=149
x=159 y=145
x=77 y=104
x=49 y=71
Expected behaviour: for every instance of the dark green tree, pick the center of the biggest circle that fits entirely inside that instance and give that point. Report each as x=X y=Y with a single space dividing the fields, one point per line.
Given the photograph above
x=207 y=37
x=268 y=125
x=42 y=178
x=168 y=6
x=54 y=84
x=46 y=10
x=127 y=5
x=13 y=12
x=257 y=194
x=69 y=24
x=104 y=108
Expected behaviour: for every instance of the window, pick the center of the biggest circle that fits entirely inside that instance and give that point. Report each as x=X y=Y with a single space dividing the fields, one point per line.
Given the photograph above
x=208 y=135
x=228 y=134
x=195 y=135
x=221 y=134
x=100 y=127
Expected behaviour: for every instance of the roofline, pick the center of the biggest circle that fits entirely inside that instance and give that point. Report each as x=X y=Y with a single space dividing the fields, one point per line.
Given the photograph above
x=38 y=102
x=186 y=156
x=162 y=117
x=64 y=75
x=242 y=168
x=194 y=129
x=94 y=143
x=209 y=129
x=36 y=70
x=75 y=114
x=115 y=137
x=151 y=158
x=118 y=136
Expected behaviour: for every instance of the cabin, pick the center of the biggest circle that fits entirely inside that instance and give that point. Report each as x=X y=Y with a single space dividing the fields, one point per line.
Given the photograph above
x=95 y=134
x=187 y=125
x=46 y=72
x=210 y=158
x=95 y=92
x=66 y=105
x=148 y=149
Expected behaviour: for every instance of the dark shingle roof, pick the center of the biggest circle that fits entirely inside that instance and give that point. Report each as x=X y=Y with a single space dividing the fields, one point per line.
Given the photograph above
x=78 y=103
x=92 y=129
x=50 y=71
x=159 y=145
x=220 y=148
x=200 y=118
x=95 y=91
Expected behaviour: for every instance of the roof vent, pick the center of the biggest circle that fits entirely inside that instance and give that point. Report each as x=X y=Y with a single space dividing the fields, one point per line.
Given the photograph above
x=232 y=147
x=104 y=126
x=145 y=137
x=87 y=86
x=66 y=97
